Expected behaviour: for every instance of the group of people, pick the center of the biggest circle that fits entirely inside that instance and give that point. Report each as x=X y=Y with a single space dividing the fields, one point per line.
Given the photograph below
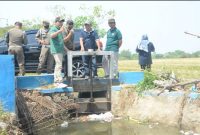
x=57 y=40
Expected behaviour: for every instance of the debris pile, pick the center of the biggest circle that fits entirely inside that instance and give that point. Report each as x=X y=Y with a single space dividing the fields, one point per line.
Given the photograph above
x=37 y=111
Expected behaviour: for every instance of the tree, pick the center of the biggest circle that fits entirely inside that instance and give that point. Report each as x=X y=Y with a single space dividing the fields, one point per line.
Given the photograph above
x=157 y=56
x=177 y=54
x=196 y=54
x=96 y=15
x=58 y=10
x=32 y=24
x=3 y=30
x=134 y=56
x=125 y=55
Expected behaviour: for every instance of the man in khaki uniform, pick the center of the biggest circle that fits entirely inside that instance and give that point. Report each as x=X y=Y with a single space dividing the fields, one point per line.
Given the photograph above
x=68 y=36
x=45 y=56
x=15 y=39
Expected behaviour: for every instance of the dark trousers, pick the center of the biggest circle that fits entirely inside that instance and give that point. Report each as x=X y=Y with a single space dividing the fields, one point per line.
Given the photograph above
x=148 y=66
x=65 y=66
x=90 y=62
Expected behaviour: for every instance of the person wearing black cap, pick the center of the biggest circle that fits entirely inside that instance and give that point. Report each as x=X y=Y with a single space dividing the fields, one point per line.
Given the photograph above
x=42 y=37
x=68 y=36
x=57 y=50
x=16 y=38
x=89 y=39
x=113 y=43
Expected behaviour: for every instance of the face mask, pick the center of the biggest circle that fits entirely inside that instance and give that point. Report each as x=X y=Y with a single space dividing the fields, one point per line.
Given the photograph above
x=46 y=27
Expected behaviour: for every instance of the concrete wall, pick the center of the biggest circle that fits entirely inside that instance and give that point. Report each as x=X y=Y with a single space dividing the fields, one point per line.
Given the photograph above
x=170 y=108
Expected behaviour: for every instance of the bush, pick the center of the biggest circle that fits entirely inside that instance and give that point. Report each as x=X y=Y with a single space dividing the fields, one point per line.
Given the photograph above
x=147 y=82
x=3 y=115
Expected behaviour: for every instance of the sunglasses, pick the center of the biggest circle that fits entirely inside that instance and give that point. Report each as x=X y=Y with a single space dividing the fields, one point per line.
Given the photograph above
x=111 y=22
x=70 y=24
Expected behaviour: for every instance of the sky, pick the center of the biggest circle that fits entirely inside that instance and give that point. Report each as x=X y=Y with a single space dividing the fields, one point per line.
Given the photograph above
x=163 y=21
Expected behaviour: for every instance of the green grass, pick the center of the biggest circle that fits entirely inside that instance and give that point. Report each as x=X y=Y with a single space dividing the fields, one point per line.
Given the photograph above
x=184 y=68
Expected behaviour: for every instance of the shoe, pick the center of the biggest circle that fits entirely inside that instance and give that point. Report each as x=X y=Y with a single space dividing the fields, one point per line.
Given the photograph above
x=87 y=77
x=38 y=72
x=96 y=77
x=49 y=72
x=115 y=76
x=60 y=85
x=106 y=76
x=21 y=74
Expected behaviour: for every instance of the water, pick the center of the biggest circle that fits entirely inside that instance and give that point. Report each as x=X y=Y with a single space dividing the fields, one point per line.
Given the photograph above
x=117 y=127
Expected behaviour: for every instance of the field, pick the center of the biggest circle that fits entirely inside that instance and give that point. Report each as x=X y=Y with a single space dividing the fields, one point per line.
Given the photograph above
x=184 y=68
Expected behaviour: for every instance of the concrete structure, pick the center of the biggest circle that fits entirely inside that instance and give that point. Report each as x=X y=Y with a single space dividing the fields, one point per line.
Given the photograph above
x=9 y=83
x=177 y=108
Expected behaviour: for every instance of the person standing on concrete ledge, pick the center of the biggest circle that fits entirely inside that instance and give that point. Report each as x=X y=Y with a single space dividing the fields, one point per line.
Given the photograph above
x=57 y=50
x=144 y=50
x=15 y=39
x=89 y=39
x=42 y=37
x=113 y=43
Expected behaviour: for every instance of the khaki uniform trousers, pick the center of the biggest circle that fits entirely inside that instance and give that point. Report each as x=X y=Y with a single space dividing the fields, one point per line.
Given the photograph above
x=18 y=52
x=45 y=56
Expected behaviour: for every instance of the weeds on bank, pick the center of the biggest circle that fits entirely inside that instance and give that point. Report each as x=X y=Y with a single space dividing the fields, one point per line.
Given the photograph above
x=3 y=115
x=147 y=82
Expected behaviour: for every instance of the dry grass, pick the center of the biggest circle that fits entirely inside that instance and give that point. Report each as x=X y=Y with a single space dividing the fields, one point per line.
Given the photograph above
x=184 y=68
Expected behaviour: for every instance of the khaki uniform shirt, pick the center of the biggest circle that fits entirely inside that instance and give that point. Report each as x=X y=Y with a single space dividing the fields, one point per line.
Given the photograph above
x=16 y=37
x=43 y=34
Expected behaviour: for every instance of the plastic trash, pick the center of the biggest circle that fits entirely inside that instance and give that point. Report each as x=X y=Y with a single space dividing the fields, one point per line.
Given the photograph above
x=194 y=89
x=64 y=124
x=108 y=117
